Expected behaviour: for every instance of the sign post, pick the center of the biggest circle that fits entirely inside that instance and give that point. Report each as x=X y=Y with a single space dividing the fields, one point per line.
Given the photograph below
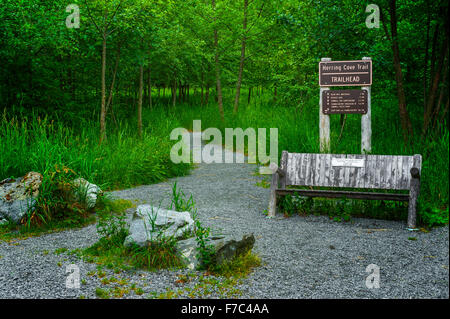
x=366 y=122
x=345 y=73
x=324 y=119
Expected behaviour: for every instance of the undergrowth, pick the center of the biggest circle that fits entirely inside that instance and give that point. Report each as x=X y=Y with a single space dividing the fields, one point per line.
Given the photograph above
x=37 y=144
x=342 y=209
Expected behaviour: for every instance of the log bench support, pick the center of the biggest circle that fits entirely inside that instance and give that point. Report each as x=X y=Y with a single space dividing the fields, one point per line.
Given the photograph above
x=377 y=172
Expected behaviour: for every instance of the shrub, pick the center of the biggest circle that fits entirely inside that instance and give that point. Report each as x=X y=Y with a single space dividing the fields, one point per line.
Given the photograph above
x=56 y=203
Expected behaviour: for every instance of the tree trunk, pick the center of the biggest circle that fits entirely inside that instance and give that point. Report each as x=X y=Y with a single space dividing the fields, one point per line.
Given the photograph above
x=404 y=116
x=435 y=85
x=202 y=89
x=425 y=64
x=150 y=87
x=444 y=113
x=242 y=60
x=141 y=86
x=174 y=93
x=444 y=89
x=207 y=94
x=217 y=63
x=111 y=90
x=434 y=48
x=103 y=105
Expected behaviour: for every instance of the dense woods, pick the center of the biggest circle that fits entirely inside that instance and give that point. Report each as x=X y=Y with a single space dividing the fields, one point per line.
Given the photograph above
x=134 y=69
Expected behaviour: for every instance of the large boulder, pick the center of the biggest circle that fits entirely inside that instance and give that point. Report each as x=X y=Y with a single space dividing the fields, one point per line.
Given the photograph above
x=18 y=196
x=151 y=224
x=86 y=192
x=225 y=249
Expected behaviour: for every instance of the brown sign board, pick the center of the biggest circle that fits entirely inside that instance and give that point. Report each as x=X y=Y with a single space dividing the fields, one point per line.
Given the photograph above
x=345 y=73
x=344 y=102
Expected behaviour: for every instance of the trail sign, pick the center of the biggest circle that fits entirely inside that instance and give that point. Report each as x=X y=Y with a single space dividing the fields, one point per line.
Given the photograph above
x=345 y=73
x=344 y=102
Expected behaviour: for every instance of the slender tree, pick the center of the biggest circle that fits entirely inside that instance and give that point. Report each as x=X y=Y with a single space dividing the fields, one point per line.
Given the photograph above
x=104 y=29
x=217 y=63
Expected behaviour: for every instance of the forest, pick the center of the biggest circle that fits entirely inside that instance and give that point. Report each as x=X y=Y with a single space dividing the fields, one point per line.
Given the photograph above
x=97 y=85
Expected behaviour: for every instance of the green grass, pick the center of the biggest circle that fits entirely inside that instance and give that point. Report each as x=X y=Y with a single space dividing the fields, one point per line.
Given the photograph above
x=343 y=209
x=240 y=267
x=61 y=153
x=161 y=255
x=12 y=232
x=35 y=144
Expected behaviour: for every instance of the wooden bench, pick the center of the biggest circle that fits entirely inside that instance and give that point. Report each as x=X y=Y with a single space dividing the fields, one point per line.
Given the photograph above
x=381 y=172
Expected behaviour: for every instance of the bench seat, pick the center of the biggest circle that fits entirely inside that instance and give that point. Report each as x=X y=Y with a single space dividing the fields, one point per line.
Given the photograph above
x=354 y=171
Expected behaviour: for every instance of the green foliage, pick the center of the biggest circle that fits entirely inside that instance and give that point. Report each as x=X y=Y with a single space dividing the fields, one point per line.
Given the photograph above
x=112 y=229
x=264 y=183
x=35 y=144
x=56 y=207
x=205 y=250
x=343 y=210
x=432 y=216
x=159 y=254
x=292 y=204
x=239 y=267
x=56 y=201
x=102 y=293
x=179 y=202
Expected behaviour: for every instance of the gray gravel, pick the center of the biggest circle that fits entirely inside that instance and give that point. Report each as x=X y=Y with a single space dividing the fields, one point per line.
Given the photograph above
x=303 y=257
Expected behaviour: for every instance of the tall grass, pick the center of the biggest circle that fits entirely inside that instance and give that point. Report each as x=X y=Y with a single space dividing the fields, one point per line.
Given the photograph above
x=35 y=144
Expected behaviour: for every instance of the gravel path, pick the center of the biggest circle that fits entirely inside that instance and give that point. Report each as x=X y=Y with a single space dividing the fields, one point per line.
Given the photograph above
x=303 y=257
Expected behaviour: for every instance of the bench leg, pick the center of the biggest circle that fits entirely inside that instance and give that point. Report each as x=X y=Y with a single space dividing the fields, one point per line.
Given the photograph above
x=273 y=195
x=413 y=195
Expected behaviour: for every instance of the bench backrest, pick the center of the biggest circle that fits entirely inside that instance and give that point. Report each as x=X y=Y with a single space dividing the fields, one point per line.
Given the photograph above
x=352 y=171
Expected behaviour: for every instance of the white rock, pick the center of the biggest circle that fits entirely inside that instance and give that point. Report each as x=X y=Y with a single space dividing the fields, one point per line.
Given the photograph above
x=151 y=223
x=86 y=192
x=18 y=196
